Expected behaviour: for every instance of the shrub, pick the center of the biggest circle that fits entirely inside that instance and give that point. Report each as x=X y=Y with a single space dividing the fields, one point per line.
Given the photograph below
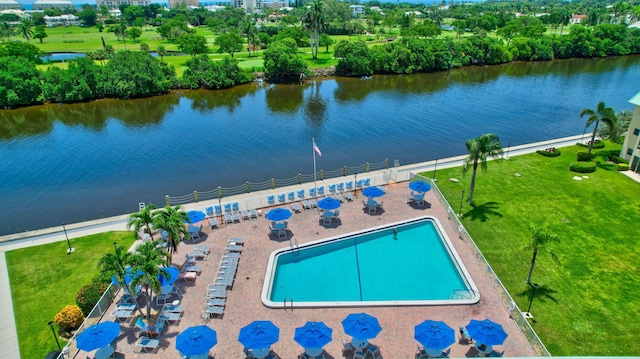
x=89 y=295
x=555 y=153
x=69 y=318
x=582 y=167
x=619 y=160
x=585 y=156
x=596 y=145
x=623 y=167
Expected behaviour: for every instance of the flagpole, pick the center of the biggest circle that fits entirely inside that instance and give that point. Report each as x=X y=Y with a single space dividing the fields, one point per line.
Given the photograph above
x=315 y=186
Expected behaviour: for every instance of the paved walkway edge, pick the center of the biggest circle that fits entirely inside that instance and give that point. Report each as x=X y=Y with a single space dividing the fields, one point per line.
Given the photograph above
x=8 y=335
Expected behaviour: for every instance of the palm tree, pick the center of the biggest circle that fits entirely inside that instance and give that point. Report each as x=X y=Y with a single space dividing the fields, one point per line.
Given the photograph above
x=172 y=220
x=602 y=113
x=116 y=264
x=24 y=28
x=479 y=148
x=314 y=20
x=249 y=30
x=539 y=238
x=149 y=261
x=144 y=218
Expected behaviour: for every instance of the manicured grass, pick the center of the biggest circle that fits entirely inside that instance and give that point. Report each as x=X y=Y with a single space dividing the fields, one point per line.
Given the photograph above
x=44 y=279
x=587 y=304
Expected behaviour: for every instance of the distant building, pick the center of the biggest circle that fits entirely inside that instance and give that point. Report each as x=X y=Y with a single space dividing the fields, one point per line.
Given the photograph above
x=62 y=20
x=10 y=4
x=189 y=3
x=215 y=7
x=114 y=4
x=577 y=19
x=631 y=147
x=249 y=6
x=356 y=10
x=273 y=4
x=52 y=4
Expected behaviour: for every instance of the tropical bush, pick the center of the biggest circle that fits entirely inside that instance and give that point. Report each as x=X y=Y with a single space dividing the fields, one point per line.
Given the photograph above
x=89 y=295
x=585 y=157
x=623 y=167
x=582 y=167
x=69 y=318
x=596 y=145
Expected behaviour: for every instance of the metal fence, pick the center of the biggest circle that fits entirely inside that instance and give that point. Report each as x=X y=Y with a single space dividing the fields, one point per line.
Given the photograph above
x=96 y=314
x=496 y=284
x=274 y=183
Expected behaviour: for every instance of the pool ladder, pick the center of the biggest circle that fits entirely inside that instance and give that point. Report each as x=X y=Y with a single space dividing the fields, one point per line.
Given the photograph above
x=294 y=248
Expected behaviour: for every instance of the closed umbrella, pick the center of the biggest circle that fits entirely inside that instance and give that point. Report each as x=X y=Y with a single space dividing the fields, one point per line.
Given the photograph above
x=486 y=332
x=196 y=340
x=373 y=192
x=435 y=335
x=328 y=204
x=420 y=186
x=97 y=336
x=278 y=214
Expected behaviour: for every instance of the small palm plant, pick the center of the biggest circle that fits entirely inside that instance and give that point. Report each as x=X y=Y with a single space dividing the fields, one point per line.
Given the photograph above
x=141 y=219
x=172 y=220
x=487 y=145
x=116 y=264
x=150 y=261
x=602 y=113
x=540 y=237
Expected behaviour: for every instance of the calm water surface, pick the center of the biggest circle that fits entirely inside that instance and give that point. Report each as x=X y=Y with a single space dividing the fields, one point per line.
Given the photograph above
x=67 y=163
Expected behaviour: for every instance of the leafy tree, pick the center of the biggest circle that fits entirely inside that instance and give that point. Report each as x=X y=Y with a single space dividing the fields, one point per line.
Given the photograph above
x=147 y=265
x=326 y=41
x=115 y=264
x=173 y=28
x=139 y=22
x=508 y=31
x=314 y=20
x=601 y=113
x=616 y=131
x=38 y=19
x=77 y=83
x=144 y=47
x=172 y=219
x=230 y=43
x=100 y=26
x=201 y=72
x=390 y=21
x=24 y=29
x=136 y=74
x=292 y=32
x=540 y=237
x=39 y=33
x=19 y=81
x=88 y=16
x=487 y=145
x=134 y=33
x=281 y=60
x=143 y=218
x=354 y=58
x=6 y=31
x=162 y=52
x=248 y=30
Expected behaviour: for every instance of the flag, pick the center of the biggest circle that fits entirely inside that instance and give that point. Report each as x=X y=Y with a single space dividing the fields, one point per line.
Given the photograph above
x=315 y=148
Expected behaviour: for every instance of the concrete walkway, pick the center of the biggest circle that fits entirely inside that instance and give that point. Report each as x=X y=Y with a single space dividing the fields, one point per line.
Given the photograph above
x=9 y=348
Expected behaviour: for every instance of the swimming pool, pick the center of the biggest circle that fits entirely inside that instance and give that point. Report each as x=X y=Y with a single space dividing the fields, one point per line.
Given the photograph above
x=417 y=267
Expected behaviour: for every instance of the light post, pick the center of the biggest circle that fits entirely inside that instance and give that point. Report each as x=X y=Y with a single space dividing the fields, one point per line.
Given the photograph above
x=67 y=237
x=508 y=148
x=54 y=334
x=527 y=314
x=115 y=246
x=435 y=167
x=461 y=200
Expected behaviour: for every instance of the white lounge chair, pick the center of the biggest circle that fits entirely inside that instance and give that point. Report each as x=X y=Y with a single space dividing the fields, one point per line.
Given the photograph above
x=147 y=345
x=295 y=207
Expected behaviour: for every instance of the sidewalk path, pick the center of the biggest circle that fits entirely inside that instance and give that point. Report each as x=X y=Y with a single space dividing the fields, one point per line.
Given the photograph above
x=9 y=348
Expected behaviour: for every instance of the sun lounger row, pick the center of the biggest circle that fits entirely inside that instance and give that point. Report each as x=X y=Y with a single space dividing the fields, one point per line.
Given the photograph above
x=339 y=190
x=216 y=293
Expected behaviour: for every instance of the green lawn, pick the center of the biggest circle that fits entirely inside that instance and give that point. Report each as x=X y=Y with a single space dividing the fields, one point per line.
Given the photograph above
x=44 y=279
x=587 y=303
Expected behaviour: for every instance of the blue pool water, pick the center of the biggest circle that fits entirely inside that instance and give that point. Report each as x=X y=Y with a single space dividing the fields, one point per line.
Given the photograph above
x=373 y=267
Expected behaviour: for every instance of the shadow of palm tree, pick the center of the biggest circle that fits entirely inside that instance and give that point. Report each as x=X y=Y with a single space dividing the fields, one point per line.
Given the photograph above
x=483 y=211
x=543 y=293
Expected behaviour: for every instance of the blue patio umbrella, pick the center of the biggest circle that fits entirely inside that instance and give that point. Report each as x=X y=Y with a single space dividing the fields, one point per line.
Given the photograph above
x=328 y=203
x=434 y=334
x=373 y=192
x=313 y=335
x=486 y=332
x=361 y=326
x=97 y=336
x=128 y=277
x=420 y=186
x=278 y=214
x=195 y=216
x=259 y=334
x=196 y=340
x=173 y=272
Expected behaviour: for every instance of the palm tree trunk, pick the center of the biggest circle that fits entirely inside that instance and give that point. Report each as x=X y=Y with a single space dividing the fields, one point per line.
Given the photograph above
x=533 y=263
x=135 y=302
x=473 y=181
x=317 y=42
x=593 y=136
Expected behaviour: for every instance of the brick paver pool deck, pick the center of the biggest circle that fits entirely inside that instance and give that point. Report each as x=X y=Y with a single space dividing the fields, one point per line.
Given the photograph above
x=244 y=305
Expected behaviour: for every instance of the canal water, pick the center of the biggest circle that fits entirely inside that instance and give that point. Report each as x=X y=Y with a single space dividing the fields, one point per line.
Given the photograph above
x=68 y=163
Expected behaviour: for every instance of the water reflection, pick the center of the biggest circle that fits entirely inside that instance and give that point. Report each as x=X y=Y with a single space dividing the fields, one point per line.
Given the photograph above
x=316 y=107
x=285 y=98
x=206 y=100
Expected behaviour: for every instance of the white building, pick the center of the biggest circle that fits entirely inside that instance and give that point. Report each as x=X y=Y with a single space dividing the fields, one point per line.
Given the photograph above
x=114 y=4
x=631 y=147
x=62 y=20
x=249 y=6
x=52 y=4
x=10 y=4
x=356 y=10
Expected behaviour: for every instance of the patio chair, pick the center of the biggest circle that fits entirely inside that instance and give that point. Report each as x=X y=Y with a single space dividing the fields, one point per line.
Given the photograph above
x=340 y=187
x=312 y=192
x=314 y=203
x=348 y=196
x=281 y=198
x=194 y=231
x=347 y=348
x=295 y=207
x=366 y=182
x=374 y=351
x=464 y=335
x=218 y=210
x=291 y=196
x=147 y=344
x=236 y=240
x=191 y=269
x=233 y=248
x=301 y=194
x=213 y=223
x=217 y=302
x=209 y=312
x=306 y=205
x=358 y=184
x=332 y=188
x=189 y=259
x=188 y=276
x=349 y=185
x=359 y=355
x=230 y=255
x=203 y=248
x=122 y=315
x=217 y=293
x=245 y=214
x=211 y=287
x=209 y=212
x=327 y=217
x=228 y=218
x=227 y=208
x=253 y=213
x=235 y=207
x=339 y=197
x=271 y=200
x=170 y=308
x=321 y=191
x=235 y=217
x=169 y=317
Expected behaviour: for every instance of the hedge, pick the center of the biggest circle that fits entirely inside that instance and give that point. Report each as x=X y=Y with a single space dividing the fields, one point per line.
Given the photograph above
x=582 y=167
x=585 y=156
x=596 y=145
x=623 y=167
x=555 y=153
